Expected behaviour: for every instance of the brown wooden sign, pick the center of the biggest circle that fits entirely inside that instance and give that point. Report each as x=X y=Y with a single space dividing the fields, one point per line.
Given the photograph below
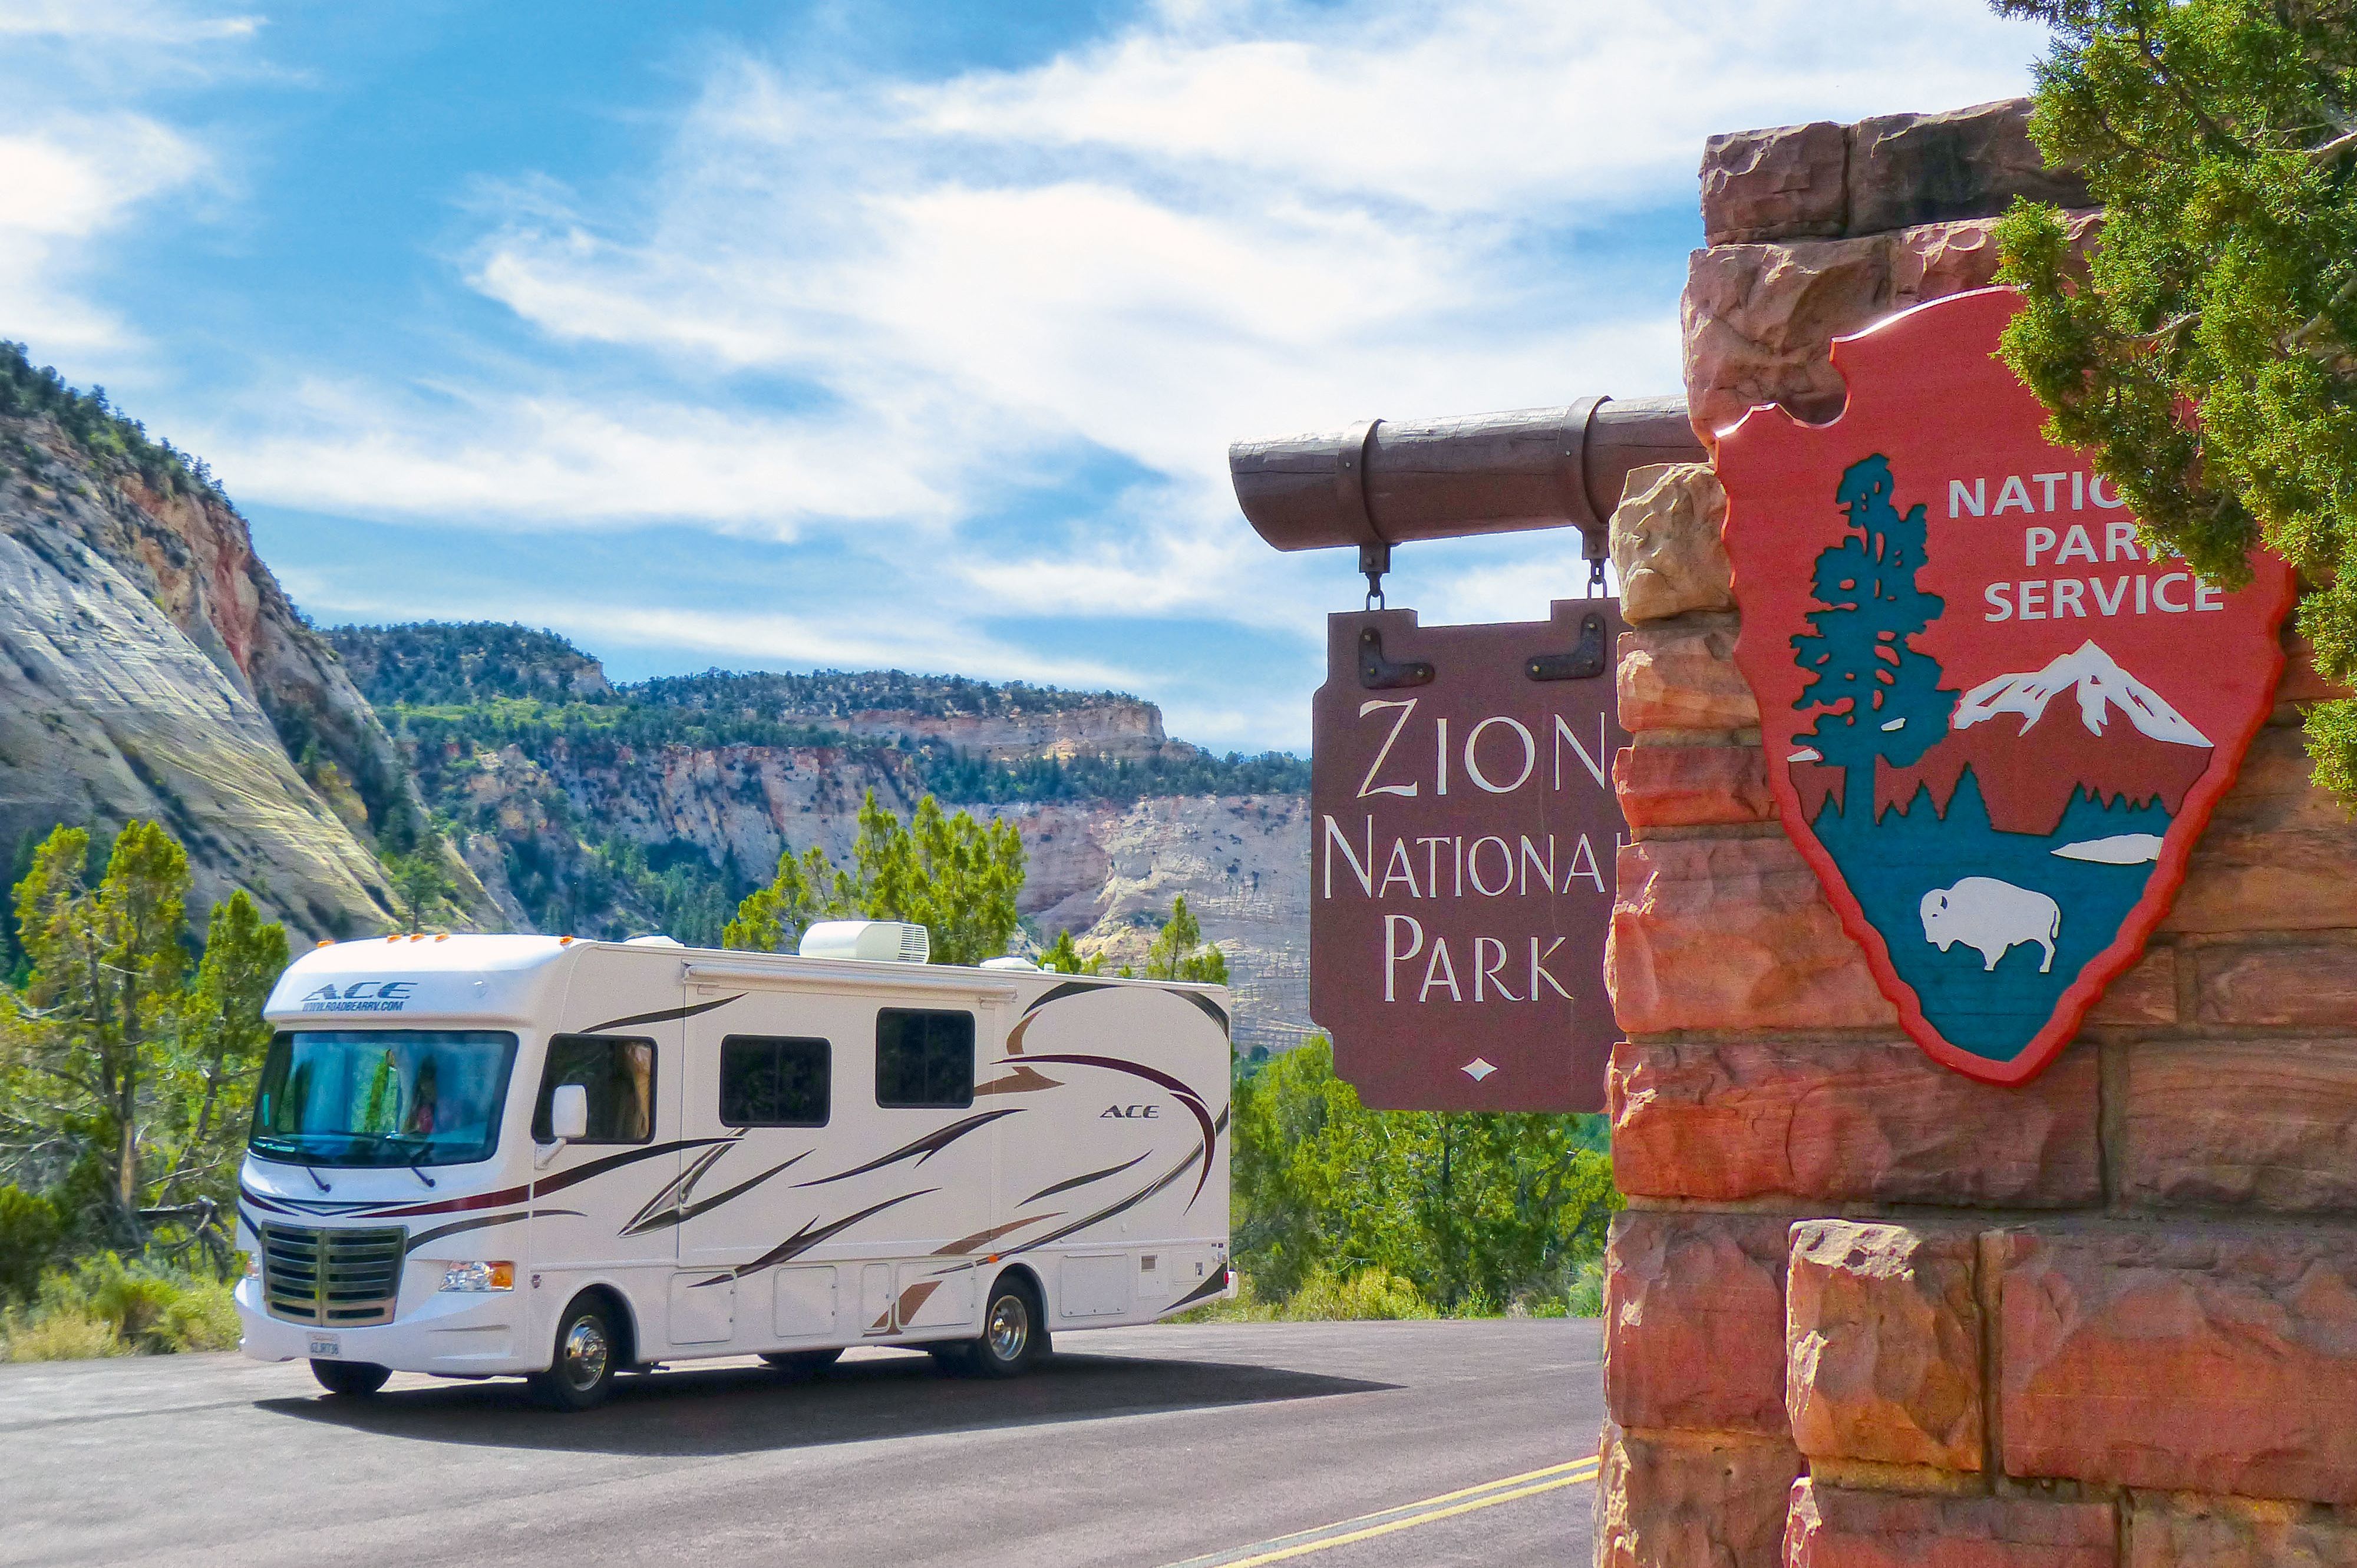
x=1462 y=857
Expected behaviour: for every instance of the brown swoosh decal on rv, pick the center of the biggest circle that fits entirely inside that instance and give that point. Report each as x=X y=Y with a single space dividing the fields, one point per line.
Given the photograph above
x=1053 y=993
x=662 y=1016
x=1022 y=1080
x=1187 y=1097
x=803 y=1239
x=1070 y=1182
x=915 y=1296
x=484 y=1222
x=558 y=1182
x=1211 y=1286
x=1124 y=1206
x=924 y=1148
x=975 y=1242
x=656 y=1218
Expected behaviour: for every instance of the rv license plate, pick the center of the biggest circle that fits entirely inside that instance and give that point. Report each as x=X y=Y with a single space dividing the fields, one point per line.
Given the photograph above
x=323 y=1347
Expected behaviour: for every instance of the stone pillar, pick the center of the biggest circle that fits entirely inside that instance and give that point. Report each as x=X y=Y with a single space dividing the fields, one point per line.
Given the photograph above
x=1865 y=1311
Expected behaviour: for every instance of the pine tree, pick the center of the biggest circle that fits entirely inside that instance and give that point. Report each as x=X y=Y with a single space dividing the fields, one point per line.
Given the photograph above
x=1877 y=696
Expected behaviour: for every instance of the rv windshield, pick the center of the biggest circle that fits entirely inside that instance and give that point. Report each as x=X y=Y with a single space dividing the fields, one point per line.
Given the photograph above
x=383 y=1097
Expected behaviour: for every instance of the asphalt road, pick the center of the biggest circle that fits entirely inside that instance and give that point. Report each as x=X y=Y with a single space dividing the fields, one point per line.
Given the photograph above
x=1227 y=1444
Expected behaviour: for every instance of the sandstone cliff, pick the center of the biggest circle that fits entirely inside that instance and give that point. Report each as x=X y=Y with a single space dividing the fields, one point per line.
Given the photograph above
x=151 y=667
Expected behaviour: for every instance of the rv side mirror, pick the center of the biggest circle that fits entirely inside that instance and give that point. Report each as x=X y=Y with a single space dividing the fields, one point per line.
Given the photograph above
x=568 y=1113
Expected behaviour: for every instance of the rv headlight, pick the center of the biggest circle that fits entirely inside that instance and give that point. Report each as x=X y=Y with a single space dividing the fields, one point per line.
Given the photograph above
x=479 y=1276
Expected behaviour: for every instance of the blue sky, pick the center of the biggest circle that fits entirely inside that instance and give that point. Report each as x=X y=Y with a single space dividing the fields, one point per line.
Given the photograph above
x=827 y=335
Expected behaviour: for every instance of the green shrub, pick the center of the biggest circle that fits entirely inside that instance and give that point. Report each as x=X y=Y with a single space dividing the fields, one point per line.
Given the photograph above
x=104 y=1307
x=31 y=1229
x=1377 y=1294
x=56 y=1337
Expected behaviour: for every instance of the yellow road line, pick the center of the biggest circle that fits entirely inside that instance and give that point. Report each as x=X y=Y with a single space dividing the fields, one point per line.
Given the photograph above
x=1409 y=1515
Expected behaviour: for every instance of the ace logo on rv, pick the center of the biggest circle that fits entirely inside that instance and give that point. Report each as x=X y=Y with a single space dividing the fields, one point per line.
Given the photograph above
x=1131 y=1112
x=361 y=996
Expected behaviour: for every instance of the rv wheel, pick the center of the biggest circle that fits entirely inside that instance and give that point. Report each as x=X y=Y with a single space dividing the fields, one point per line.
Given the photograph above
x=1014 y=1331
x=581 y=1373
x=803 y=1363
x=353 y=1378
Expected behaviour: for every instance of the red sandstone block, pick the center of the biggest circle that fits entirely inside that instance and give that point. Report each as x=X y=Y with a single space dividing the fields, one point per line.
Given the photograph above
x=1731 y=934
x=1843 y=1121
x=2200 y=1358
x=2234 y=1532
x=2267 y=1124
x=1690 y=786
x=2147 y=993
x=2279 y=855
x=1833 y=1527
x=1681 y=676
x=1667 y=1499
x=2302 y=682
x=1694 y=1321
x=2299 y=985
x=1882 y=1345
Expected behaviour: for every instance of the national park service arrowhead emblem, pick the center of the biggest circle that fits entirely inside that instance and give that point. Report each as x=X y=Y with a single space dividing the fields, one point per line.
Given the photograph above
x=1995 y=722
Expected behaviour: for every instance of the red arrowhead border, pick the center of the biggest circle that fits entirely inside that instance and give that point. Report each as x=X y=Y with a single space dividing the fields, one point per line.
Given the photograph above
x=1950 y=334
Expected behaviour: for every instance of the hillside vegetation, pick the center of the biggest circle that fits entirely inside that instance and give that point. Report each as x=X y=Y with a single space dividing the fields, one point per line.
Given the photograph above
x=572 y=791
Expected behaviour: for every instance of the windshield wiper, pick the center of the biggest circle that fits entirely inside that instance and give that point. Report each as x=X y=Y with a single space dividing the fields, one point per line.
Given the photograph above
x=420 y=1176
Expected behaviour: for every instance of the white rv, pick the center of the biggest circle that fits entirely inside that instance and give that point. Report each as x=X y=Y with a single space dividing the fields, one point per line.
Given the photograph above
x=474 y=1155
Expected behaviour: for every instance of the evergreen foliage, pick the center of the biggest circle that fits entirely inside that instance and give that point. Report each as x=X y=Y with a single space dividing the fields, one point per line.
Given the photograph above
x=956 y=877
x=1875 y=696
x=2206 y=354
x=1479 y=1212
x=94 y=423
x=125 y=1080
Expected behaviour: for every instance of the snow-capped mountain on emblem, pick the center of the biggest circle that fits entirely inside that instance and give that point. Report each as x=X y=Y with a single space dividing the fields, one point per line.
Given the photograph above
x=2102 y=686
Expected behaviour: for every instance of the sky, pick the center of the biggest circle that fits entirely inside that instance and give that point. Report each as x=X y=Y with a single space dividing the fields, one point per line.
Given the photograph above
x=822 y=335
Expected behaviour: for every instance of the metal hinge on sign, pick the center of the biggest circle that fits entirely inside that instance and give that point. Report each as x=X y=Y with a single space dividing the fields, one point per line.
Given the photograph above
x=1377 y=674
x=1584 y=663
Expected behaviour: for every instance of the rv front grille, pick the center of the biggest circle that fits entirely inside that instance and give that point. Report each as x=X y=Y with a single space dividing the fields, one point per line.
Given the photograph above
x=337 y=1278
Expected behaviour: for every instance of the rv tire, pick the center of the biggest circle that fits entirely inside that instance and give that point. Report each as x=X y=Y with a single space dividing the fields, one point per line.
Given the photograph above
x=1014 y=1331
x=803 y=1363
x=584 y=1360
x=354 y=1379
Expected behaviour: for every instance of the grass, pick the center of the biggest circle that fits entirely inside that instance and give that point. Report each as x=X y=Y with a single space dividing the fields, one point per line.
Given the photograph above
x=1378 y=1294
x=104 y=1307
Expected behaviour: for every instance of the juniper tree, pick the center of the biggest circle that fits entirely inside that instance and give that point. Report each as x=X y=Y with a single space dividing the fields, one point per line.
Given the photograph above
x=2206 y=353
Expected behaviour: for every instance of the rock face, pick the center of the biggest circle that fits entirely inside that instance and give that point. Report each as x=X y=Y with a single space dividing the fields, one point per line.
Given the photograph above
x=1882 y=1344
x=1895 y=171
x=1832 y=1527
x=155 y=670
x=1664 y=538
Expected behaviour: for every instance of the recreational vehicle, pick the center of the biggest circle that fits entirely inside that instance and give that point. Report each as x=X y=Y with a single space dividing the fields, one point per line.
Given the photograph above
x=477 y=1155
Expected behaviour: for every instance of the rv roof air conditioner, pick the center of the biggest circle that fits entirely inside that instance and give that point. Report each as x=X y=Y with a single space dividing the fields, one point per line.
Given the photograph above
x=879 y=941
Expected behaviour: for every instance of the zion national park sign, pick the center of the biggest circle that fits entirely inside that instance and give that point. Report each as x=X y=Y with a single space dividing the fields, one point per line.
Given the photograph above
x=1995 y=722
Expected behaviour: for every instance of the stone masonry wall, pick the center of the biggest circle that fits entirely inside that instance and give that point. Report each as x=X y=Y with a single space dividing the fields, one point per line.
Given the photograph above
x=1864 y=1311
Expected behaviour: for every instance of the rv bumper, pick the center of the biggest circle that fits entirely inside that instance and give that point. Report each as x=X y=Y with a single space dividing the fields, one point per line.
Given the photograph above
x=455 y=1333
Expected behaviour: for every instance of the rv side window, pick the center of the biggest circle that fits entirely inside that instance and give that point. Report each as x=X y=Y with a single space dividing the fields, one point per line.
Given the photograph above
x=767 y=1082
x=924 y=1060
x=620 y=1075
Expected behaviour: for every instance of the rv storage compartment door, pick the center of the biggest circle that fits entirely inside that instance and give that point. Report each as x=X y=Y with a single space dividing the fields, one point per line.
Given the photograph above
x=875 y=1298
x=702 y=1314
x=805 y=1303
x=949 y=1303
x=1096 y=1284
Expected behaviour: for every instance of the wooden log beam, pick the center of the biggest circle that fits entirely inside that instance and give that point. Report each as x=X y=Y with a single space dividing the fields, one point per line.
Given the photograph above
x=1386 y=482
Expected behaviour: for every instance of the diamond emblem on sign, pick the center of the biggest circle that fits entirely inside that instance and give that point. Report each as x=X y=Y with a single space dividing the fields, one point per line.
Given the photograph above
x=1477 y=1070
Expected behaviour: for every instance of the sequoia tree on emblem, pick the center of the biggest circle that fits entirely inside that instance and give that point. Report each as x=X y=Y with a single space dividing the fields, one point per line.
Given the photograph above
x=1995 y=722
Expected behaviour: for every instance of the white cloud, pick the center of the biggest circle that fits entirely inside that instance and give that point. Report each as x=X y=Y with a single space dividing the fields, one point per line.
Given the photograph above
x=879 y=315
x=68 y=184
x=73 y=174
